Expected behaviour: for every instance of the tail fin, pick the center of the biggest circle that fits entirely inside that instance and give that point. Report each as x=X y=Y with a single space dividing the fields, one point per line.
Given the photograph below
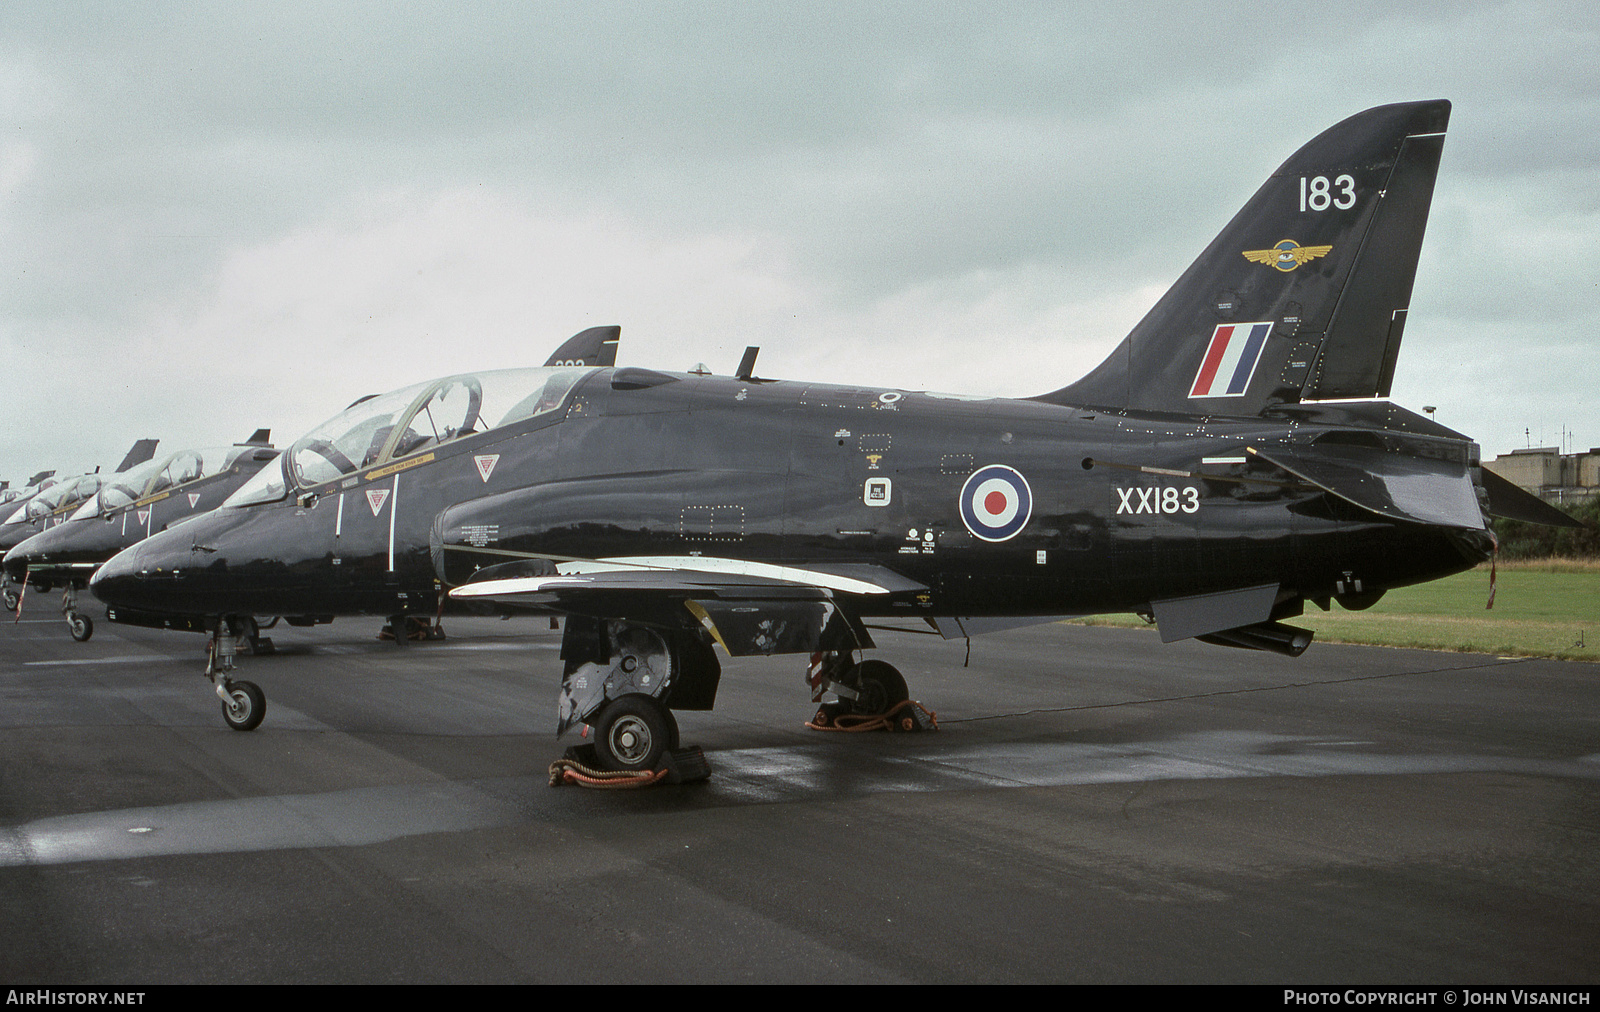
x=595 y=346
x=261 y=437
x=1304 y=294
x=141 y=451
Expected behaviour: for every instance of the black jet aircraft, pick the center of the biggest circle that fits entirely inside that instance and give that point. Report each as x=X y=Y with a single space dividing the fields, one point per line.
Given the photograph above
x=52 y=504
x=127 y=508
x=1225 y=465
x=57 y=555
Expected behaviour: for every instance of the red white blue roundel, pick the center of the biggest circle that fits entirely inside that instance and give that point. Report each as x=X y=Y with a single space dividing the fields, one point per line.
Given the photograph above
x=996 y=503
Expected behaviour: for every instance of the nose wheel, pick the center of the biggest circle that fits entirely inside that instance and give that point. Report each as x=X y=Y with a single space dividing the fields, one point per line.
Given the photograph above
x=80 y=626
x=244 y=705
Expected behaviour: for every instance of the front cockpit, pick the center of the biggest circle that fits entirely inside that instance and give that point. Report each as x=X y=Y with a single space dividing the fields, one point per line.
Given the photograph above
x=404 y=423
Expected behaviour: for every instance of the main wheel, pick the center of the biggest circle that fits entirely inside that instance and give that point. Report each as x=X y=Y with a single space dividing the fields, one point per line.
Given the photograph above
x=878 y=688
x=11 y=599
x=81 y=626
x=633 y=732
x=246 y=706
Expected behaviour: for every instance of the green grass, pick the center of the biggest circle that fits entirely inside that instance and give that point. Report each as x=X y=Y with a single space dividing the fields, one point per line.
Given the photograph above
x=1548 y=609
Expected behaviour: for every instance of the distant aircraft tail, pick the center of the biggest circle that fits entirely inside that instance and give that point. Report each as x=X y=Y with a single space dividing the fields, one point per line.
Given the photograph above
x=141 y=451
x=1303 y=296
x=595 y=346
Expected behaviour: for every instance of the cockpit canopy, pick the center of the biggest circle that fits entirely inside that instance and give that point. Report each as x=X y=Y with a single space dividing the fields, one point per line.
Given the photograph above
x=58 y=496
x=408 y=421
x=159 y=474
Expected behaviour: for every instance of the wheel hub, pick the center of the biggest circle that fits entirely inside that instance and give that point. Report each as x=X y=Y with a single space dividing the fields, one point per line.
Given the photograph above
x=630 y=740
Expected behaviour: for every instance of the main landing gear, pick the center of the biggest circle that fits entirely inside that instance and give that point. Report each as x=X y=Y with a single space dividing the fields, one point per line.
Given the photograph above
x=619 y=680
x=871 y=694
x=414 y=628
x=244 y=705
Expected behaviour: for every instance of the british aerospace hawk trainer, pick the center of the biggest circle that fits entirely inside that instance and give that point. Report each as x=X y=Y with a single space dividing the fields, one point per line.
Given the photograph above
x=52 y=504
x=128 y=507
x=1213 y=474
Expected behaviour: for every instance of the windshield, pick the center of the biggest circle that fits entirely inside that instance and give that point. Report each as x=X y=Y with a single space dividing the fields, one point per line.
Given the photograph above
x=415 y=418
x=266 y=485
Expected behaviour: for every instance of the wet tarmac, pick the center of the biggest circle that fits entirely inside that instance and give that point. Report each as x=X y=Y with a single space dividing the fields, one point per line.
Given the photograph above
x=1096 y=807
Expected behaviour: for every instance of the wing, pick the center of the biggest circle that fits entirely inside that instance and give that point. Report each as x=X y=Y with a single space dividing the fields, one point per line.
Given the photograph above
x=748 y=607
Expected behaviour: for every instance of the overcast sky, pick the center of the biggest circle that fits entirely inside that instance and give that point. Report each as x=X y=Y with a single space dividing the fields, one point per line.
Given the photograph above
x=219 y=217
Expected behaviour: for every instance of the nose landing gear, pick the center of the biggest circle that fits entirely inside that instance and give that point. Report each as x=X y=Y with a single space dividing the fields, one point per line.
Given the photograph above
x=79 y=625
x=244 y=705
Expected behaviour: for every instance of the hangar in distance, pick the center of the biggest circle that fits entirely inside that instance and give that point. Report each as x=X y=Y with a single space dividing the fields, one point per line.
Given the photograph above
x=1231 y=462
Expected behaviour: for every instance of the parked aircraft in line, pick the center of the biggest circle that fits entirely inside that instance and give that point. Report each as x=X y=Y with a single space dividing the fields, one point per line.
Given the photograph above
x=1212 y=474
x=594 y=347
x=127 y=508
x=53 y=503
x=165 y=490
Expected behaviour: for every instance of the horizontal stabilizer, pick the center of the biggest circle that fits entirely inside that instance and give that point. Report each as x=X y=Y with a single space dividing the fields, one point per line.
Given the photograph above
x=1512 y=502
x=596 y=346
x=1397 y=486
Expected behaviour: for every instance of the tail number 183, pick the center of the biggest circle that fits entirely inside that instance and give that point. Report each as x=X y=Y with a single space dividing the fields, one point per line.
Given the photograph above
x=1318 y=194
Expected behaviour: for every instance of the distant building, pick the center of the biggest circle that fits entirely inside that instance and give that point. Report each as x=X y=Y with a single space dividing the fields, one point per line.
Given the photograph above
x=1547 y=472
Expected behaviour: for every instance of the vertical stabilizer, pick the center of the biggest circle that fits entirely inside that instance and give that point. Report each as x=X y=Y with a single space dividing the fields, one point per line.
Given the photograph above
x=595 y=346
x=1304 y=294
x=141 y=451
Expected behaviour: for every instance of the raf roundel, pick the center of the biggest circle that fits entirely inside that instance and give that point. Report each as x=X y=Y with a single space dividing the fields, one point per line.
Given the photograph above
x=996 y=503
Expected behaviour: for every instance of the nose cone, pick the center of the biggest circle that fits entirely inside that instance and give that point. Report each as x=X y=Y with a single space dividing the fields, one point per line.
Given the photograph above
x=16 y=564
x=209 y=565
x=78 y=544
x=145 y=577
x=12 y=535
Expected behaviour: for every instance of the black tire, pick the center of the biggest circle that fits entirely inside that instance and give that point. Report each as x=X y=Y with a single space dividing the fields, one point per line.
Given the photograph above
x=80 y=626
x=248 y=707
x=633 y=732
x=878 y=686
x=11 y=600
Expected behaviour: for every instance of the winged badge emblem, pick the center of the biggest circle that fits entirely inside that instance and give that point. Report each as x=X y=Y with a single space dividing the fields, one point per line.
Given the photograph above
x=1286 y=255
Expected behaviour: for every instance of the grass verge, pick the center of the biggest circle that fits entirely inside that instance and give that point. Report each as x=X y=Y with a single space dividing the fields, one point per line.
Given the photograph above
x=1549 y=608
